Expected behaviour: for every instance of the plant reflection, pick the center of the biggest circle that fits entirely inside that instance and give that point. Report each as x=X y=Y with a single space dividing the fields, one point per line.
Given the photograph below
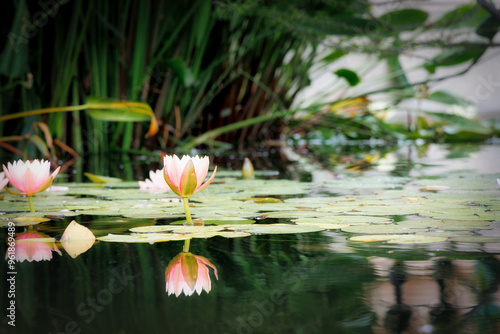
x=187 y=273
x=436 y=296
x=34 y=246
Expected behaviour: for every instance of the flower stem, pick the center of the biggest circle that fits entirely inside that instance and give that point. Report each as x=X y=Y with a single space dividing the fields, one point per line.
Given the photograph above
x=186 y=210
x=30 y=201
x=186 y=245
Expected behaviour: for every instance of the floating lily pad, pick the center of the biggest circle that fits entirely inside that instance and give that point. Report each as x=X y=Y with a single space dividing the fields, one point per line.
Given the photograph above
x=277 y=228
x=461 y=183
x=345 y=220
x=143 y=238
x=176 y=229
x=224 y=234
x=261 y=199
x=101 y=179
x=220 y=221
x=382 y=229
x=399 y=239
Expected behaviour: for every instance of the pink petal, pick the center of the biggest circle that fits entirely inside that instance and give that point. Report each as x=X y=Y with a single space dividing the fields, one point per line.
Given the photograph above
x=201 y=167
x=208 y=181
x=203 y=282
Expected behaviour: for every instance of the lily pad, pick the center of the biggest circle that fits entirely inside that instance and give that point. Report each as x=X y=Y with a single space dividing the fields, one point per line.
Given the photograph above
x=143 y=238
x=345 y=220
x=399 y=239
x=176 y=229
x=220 y=221
x=382 y=229
x=101 y=179
x=277 y=228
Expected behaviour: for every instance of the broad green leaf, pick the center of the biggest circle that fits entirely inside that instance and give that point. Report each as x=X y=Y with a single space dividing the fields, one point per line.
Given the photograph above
x=183 y=72
x=350 y=76
x=447 y=98
x=335 y=25
x=334 y=56
x=404 y=18
x=201 y=24
x=107 y=109
x=116 y=111
x=488 y=28
x=459 y=123
x=454 y=56
x=469 y=15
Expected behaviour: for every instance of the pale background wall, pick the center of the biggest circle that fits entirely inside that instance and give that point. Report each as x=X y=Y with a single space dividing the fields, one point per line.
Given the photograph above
x=481 y=84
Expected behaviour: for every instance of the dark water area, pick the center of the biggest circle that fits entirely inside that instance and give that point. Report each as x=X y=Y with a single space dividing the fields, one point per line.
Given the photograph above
x=317 y=282
x=308 y=283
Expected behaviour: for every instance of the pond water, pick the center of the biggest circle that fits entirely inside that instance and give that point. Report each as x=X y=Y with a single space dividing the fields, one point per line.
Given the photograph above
x=376 y=241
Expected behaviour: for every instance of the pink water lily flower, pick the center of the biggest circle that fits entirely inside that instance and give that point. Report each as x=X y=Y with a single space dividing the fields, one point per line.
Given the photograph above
x=155 y=181
x=187 y=273
x=29 y=177
x=28 y=248
x=185 y=176
x=3 y=181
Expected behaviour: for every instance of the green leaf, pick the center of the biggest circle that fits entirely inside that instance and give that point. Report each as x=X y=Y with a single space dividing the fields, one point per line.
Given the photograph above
x=335 y=25
x=458 y=123
x=201 y=23
x=182 y=71
x=488 y=28
x=334 y=56
x=467 y=16
x=114 y=110
x=40 y=145
x=405 y=18
x=14 y=57
x=454 y=56
x=350 y=76
x=447 y=98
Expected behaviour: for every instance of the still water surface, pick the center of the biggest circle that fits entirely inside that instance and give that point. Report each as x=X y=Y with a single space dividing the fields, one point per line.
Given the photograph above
x=291 y=283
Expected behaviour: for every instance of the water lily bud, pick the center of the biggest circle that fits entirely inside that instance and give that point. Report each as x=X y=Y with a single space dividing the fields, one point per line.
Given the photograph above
x=247 y=170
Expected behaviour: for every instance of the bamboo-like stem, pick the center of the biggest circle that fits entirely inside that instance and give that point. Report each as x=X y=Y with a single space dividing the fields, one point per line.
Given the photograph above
x=186 y=210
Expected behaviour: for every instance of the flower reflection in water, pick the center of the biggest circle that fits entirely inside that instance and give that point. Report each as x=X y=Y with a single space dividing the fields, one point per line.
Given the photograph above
x=187 y=273
x=27 y=247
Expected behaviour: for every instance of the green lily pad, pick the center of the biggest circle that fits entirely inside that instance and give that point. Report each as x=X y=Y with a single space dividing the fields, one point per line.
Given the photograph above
x=176 y=229
x=345 y=220
x=277 y=228
x=143 y=238
x=220 y=221
x=398 y=239
x=101 y=179
x=382 y=229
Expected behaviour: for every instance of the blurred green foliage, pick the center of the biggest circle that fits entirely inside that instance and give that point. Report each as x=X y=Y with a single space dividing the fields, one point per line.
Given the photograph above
x=215 y=72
